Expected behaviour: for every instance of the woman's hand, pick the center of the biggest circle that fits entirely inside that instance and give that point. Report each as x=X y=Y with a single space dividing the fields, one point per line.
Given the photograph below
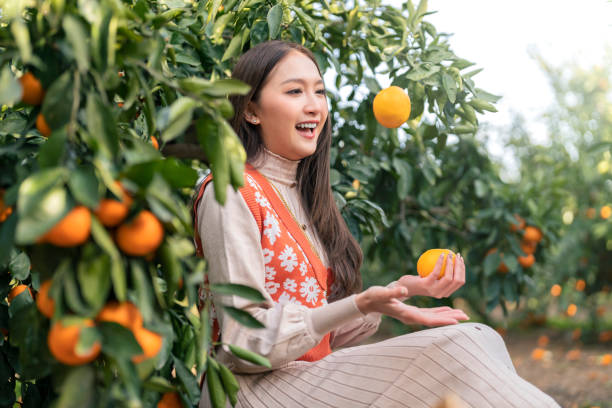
x=387 y=301
x=453 y=279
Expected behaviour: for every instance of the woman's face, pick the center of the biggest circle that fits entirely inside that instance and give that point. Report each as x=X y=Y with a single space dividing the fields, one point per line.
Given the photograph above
x=292 y=107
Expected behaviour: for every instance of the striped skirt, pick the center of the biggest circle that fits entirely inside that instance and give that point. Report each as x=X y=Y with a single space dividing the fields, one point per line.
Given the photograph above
x=416 y=370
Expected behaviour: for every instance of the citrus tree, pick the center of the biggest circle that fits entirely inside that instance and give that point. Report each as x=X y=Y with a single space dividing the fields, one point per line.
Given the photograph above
x=576 y=167
x=96 y=260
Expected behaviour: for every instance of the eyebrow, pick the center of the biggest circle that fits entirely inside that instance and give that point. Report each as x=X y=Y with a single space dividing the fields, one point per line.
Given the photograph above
x=300 y=80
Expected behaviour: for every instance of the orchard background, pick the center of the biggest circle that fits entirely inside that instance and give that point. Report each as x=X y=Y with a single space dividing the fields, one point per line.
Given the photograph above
x=124 y=78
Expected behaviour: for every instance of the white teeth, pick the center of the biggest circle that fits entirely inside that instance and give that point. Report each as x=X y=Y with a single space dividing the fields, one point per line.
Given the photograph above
x=307 y=125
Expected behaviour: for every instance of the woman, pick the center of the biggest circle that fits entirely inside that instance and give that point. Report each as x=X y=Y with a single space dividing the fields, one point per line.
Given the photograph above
x=282 y=234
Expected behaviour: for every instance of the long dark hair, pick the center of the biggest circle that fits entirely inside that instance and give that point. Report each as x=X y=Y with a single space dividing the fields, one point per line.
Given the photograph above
x=343 y=251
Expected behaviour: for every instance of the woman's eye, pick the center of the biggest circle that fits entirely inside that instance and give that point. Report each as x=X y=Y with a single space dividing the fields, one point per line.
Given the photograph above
x=322 y=92
x=295 y=91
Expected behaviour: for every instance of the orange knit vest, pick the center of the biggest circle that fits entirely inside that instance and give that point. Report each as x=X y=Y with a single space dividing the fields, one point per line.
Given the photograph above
x=294 y=272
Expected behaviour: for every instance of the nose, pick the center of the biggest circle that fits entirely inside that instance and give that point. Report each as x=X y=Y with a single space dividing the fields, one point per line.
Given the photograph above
x=313 y=104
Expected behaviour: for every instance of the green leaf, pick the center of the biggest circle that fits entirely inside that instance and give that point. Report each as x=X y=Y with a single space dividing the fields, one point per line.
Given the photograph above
x=177 y=174
x=404 y=172
x=83 y=184
x=144 y=292
x=101 y=126
x=305 y=21
x=243 y=317
x=52 y=151
x=215 y=387
x=101 y=237
x=22 y=38
x=243 y=291
x=481 y=105
x=95 y=280
x=19 y=266
x=221 y=87
x=173 y=120
x=76 y=34
x=230 y=384
x=491 y=262
x=171 y=268
x=233 y=49
x=100 y=33
x=7 y=234
x=274 y=18
x=450 y=87
x=78 y=388
x=118 y=341
x=10 y=88
x=57 y=105
x=210 y=140
x=249 y=356
x=188 y=379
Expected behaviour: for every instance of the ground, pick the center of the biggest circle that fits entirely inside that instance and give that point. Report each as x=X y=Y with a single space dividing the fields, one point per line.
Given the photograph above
x=574 y=380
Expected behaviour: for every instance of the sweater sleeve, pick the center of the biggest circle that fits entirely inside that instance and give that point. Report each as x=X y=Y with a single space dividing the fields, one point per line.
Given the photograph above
x=231 y=243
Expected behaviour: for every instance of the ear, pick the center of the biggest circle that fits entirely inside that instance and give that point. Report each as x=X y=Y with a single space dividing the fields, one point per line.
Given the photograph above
x=250 y=114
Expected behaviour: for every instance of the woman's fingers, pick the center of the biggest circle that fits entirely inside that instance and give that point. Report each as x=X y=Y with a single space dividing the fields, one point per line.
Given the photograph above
x=433 y=276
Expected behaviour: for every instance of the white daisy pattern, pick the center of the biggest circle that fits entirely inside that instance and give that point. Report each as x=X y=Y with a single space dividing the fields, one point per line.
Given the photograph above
x=303 y=268
x=271 y=228
x=268 y=254
x=290 y=285
x=261 y=200
x=288 y=259
x=310 y=290
x=272 y=287
x=270 y=273
x=286 y=298
x=252 y=182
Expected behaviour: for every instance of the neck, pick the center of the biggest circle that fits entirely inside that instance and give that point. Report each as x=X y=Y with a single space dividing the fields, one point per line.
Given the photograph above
x=276 y=167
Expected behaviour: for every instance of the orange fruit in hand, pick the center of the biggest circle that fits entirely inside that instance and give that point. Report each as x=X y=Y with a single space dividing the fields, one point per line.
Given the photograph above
x=62 y=341
x=519 y=225
x=141 y=236
x=150 y=343
x=170 y=399
x=532 y=234
x=44 y=303
x=42 y=126
x=526 y=261
x=16 y=291
x=427 y=261
x=392 y=107
x=605 y=212
x=72 y=230
x=32 y=91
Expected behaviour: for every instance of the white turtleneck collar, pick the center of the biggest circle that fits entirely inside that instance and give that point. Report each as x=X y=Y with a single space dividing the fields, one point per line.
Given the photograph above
x=277 y=168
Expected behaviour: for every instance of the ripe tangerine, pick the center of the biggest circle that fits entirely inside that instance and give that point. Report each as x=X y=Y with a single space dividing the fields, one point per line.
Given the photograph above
x=42 y=126
x=62 y=341
x=149 y=341
x=526 y=261
x=124 y=313
x=170 y=399
x=32 y=91
x=140 y=236
x=72 y=230
x=427 y=261
x=44 y=303
x=532 y=234
x=16 y=291
x=392 y=107
x=519 y=225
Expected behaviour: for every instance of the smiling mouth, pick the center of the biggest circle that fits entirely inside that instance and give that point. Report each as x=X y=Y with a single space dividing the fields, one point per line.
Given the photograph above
x=306 y=131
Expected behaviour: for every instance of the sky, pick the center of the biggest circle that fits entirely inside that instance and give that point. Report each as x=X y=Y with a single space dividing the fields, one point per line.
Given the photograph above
x=498 y=34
